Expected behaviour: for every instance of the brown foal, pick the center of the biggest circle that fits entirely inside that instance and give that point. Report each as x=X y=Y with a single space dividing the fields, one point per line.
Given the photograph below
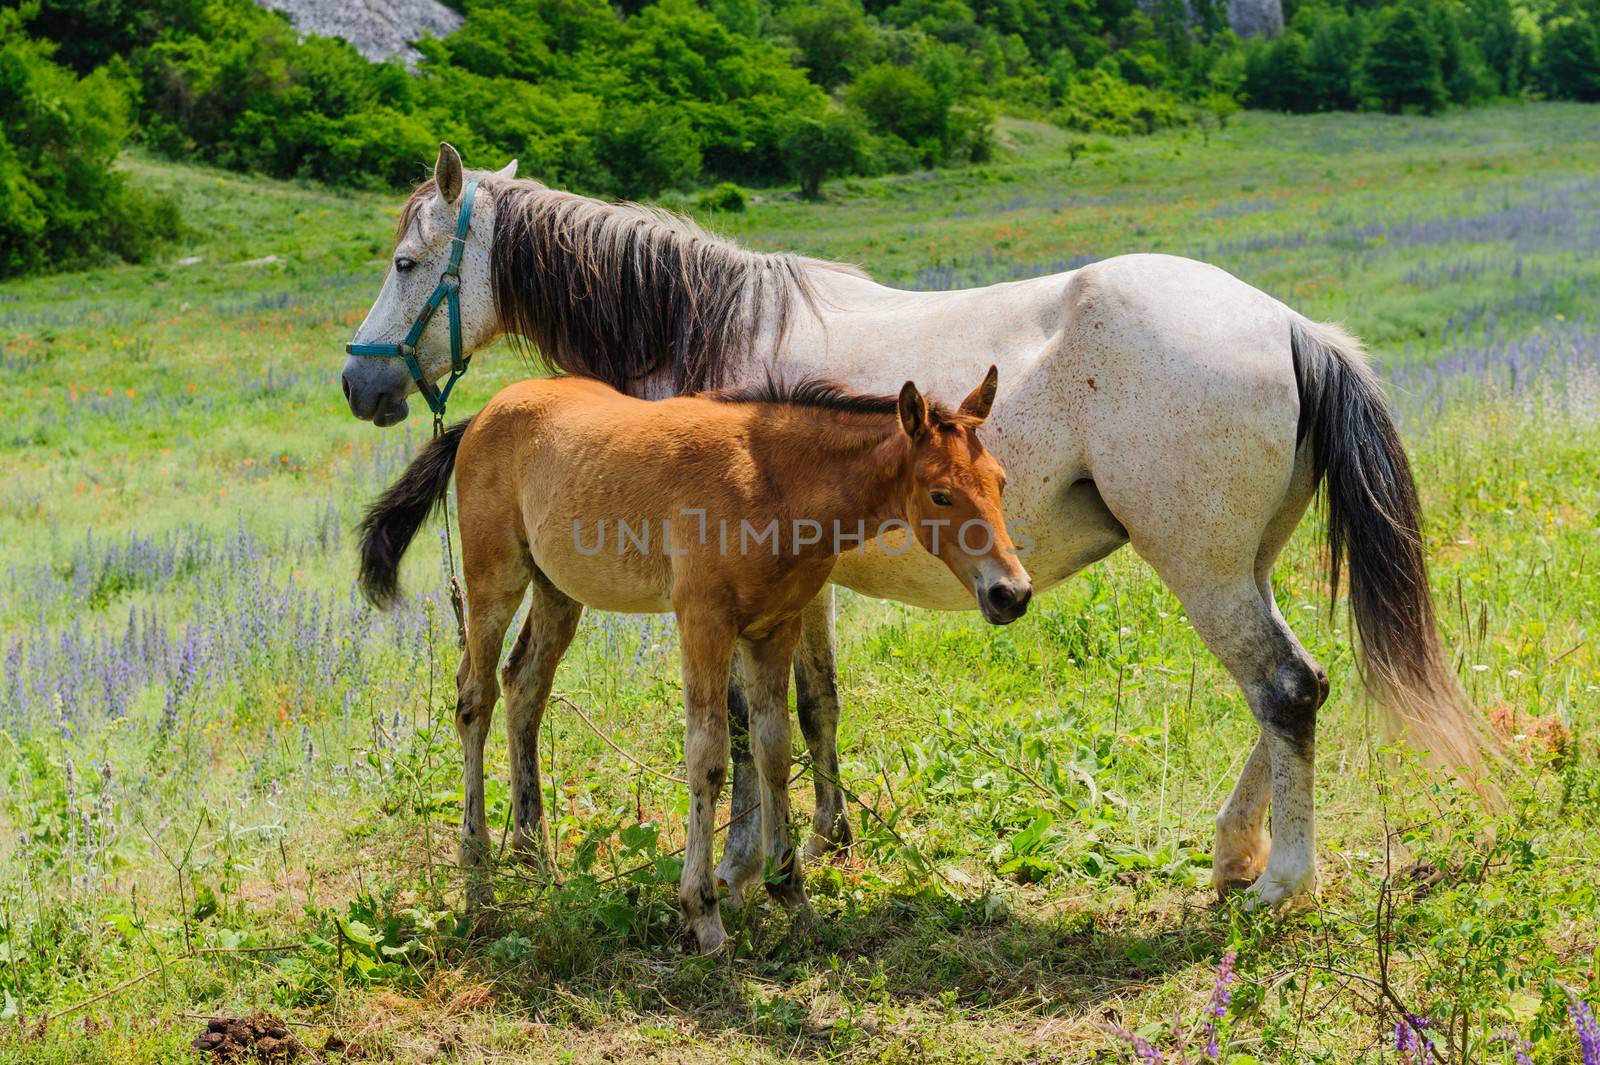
x=727 y=509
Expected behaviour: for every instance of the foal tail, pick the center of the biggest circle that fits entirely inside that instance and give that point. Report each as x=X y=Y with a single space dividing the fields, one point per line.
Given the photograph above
x=394 y=519
x=1375 y=527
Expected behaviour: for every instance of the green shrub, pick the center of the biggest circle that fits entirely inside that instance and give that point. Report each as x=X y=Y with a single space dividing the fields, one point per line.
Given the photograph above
x=652 y=147
x=61 y=202
x=726 y=196
x=1099 y=102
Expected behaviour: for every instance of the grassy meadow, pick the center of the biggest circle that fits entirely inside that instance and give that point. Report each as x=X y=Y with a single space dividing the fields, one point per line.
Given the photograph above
x=228 y=786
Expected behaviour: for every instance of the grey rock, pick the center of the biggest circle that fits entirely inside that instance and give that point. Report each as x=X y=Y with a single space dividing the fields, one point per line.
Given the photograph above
x=1248 y=18
x=1256 y=18
x=377 y=29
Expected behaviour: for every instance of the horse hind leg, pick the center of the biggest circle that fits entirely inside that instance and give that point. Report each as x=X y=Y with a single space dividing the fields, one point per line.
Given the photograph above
x=1242 y=841
x=552 y=622
x=1284 y=688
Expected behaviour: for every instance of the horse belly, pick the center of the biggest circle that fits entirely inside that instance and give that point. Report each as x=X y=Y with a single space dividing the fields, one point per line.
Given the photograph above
x=1064 y=533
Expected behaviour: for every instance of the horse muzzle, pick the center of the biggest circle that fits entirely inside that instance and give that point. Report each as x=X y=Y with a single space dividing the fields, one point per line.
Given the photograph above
x=375 y=397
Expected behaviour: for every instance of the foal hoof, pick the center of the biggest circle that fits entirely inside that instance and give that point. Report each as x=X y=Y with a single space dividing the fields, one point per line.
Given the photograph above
x=1230 y=885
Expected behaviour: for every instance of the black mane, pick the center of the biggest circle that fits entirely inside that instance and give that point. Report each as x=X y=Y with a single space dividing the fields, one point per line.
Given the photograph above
x=820 y=394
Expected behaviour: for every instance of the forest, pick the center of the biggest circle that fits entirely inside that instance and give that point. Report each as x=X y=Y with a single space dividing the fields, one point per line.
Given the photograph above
x=629 y=99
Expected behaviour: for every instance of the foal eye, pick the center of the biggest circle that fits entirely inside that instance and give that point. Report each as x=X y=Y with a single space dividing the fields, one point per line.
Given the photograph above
x=940 y=499
x=403 y=264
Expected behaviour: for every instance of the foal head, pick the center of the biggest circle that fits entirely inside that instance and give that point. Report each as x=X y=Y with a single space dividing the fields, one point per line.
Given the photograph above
x=953 y=499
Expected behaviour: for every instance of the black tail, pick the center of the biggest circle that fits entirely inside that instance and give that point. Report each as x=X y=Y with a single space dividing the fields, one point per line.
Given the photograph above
x=1375 y=526
x=394 y=519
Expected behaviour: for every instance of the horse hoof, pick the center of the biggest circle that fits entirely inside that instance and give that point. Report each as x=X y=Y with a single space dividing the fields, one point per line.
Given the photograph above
x=734 y=899
x=710 y=937
x=737 y=880
x=819 y=846
x=1284 y=893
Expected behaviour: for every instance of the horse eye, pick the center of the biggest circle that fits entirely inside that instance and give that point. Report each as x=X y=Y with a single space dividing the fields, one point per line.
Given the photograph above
x=941 y=499
x=403 y=264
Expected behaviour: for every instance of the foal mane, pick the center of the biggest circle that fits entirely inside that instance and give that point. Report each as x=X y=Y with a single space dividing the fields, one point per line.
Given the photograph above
x=823 y=394
x=620 y=291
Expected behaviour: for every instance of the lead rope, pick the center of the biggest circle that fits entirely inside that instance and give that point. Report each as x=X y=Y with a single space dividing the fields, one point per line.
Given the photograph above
x=450 y=555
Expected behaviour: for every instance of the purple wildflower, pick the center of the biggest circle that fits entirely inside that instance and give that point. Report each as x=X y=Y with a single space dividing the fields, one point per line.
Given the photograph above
x=1217 y=1008
x=1588 y=1030
x=1410 y=1043
x=1142 y=1048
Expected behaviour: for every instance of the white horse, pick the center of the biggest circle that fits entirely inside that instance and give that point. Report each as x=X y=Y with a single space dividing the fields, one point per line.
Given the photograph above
x=1145 y=400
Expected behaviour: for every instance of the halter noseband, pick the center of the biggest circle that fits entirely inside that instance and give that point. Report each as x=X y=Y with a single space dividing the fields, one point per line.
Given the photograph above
x=448 y=291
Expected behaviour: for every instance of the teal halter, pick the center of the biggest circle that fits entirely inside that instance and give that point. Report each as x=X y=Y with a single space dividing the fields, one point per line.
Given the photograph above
x=448 y=291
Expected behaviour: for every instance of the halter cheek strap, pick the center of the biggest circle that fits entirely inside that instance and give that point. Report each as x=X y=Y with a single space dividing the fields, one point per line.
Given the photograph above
x=447 y=292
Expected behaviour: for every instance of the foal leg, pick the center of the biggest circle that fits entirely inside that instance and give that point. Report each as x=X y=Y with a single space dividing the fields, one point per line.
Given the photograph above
x=494 y=591
x=707 y=640
x=552 y=621
x=766 y=671
x=741 y=850
x=816 y=688
x=817 y=703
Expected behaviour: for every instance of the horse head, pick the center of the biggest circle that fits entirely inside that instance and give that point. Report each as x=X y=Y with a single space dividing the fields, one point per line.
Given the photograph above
x=441 y=259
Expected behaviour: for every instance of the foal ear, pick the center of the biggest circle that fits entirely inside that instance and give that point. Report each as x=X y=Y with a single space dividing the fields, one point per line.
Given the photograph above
x=913 y=411
x=981 y=401
x=447 y=174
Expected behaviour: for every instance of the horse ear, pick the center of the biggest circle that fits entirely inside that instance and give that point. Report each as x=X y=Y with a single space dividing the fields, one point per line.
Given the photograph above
x=913 y=411
x=981 y=401
x=447 y=173
x=508 y=171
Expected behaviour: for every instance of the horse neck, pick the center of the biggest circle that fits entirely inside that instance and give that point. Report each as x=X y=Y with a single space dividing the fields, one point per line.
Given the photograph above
x=835 y=467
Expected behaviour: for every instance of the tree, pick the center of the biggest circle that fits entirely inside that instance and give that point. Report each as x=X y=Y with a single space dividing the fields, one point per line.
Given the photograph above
x=649 y=148
x=1288 y=74
x=1569 y=63
x=900 y=101
x=1336 y=46
x=817 y=148
x=833 y=37
x=1402 y=67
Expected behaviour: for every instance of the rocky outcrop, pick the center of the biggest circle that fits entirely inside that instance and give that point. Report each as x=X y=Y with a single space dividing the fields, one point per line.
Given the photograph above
x=377 y=29
x=1247 y=18
x=1256 y=18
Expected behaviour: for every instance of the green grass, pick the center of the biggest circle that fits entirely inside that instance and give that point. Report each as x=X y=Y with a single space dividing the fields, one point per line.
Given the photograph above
x=1035 y=865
